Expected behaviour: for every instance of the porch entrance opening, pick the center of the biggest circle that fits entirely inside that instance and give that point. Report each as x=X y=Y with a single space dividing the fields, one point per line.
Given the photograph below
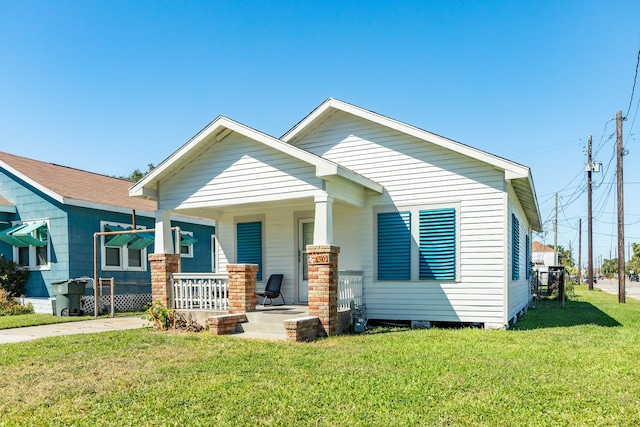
x=305 y=237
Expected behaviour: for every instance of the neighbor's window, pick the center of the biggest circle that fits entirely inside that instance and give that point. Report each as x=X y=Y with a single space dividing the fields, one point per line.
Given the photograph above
x=124 y=251
x=30 y=241
x=186 y=244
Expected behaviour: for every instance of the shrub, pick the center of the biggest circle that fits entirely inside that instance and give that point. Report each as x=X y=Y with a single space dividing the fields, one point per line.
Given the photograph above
x=12 y=277
x=162 y=317
x=9 y=305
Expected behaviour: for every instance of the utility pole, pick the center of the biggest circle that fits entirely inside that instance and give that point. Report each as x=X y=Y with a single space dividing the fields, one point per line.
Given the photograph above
x=555 y=235
x=579 y=251
x=619 y=150
x=589 y=220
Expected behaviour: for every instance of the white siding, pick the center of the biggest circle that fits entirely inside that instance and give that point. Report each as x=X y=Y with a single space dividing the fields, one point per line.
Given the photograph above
x=414 y=172
x=518 y=290
x=279 y=246
x=238 y=170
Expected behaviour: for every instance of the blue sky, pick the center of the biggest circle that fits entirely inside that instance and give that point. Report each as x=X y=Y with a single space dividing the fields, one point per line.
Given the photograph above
x=110 y=86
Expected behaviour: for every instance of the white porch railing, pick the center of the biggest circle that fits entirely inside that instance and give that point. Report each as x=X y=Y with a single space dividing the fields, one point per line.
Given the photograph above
x=349 y=289
x=200 y=291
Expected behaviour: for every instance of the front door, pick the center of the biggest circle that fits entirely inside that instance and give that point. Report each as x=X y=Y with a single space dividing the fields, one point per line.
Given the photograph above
x=305 y=237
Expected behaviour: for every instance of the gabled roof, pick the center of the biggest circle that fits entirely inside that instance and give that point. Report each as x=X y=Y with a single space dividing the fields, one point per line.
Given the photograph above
x=519 y=175
x=216 y=131
x=75 y=187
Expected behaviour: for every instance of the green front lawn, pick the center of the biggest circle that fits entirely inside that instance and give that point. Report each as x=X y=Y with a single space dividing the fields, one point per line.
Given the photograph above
x=9 y=322
x=572 y=366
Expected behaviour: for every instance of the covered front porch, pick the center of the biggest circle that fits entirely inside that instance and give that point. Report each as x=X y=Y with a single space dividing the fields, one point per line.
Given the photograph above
x=285 y=210
x=209 y=292
x=227 y=303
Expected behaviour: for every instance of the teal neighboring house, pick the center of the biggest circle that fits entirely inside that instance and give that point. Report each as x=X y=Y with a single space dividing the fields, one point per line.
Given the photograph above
x=49 y=214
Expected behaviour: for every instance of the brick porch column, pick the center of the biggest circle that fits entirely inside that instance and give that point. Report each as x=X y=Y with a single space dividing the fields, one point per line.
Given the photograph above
x=323 y=287
x=242 y=287
x=162 y=266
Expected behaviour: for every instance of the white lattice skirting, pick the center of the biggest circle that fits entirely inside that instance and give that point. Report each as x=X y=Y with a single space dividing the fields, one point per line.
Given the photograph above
x=123 y=302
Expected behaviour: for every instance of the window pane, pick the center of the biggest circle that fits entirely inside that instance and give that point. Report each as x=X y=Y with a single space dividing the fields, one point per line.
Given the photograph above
x=394 y=246
x=307 y=239
x=437 y=244
x=184 y=249
x=41 y=255
x=23 y=256
x=112 y=256
x=135 y=257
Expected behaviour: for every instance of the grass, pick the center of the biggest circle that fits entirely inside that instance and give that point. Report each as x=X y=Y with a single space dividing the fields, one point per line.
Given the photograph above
x=10 y=322
x=571 y=366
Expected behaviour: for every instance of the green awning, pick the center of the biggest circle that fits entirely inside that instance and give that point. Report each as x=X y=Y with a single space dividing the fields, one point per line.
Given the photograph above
x=21 y=235
x=117 y=240
x=187 y=239
x=141 y=241
x=6 y=236
x=25 y=234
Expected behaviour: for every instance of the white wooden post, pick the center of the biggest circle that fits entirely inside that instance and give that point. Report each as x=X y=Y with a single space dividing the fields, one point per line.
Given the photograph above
x=164 y=239
x=323 y=228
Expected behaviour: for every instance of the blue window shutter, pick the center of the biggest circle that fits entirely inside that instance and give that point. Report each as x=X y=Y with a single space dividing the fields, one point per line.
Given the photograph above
x=249 y=250
x=438 y=244
x=528 y=256
x=394 y=246
x=515 y=242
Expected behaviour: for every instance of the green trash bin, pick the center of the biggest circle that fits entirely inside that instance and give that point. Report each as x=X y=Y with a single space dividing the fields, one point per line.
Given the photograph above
x=67 y=294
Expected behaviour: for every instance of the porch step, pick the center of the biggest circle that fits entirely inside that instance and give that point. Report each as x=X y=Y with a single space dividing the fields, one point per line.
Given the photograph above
x=268 y=323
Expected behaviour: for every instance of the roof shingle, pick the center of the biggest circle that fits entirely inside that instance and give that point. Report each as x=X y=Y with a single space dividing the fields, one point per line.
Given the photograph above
x=77 y=184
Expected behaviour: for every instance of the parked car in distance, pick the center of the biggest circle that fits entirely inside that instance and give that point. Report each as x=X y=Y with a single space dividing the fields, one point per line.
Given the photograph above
x=633 y=278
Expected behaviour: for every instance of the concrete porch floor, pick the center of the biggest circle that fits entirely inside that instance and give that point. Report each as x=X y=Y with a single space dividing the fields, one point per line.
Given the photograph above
x=265 y=323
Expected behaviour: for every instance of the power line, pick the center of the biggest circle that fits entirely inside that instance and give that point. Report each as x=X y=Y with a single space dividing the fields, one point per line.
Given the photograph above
x=633 y=88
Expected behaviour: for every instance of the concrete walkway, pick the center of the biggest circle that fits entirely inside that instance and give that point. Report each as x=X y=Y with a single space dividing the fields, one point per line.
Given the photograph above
x=70 y=328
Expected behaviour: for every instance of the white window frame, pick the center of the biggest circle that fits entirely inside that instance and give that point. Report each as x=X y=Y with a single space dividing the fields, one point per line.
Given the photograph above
x=189 y=253
x=124 y=251
x=415 y=237
x=33 y=257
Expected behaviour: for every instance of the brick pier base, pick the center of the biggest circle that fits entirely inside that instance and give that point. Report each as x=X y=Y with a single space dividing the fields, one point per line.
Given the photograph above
x=162 y=266
x=242 y=287
x=323 y=287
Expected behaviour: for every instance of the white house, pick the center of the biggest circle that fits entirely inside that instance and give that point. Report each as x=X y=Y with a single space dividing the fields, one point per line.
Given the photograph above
x=439 y=230
x=543 y=255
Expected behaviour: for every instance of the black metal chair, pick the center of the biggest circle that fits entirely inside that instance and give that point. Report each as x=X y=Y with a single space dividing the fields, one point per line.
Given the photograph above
x=272 y=290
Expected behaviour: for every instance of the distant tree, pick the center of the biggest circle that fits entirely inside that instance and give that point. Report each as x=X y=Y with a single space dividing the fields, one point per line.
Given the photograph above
x=137 y=175
x=610 y=267
x=634 y=263
x=565 y=256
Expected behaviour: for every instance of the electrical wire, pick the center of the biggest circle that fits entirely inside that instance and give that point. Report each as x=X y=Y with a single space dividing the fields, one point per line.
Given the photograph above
x=633 y=88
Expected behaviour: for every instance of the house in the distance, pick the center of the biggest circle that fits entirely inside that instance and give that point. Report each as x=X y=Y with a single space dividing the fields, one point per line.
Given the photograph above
x=436 y=230
x=49 y=214
x=542 y=256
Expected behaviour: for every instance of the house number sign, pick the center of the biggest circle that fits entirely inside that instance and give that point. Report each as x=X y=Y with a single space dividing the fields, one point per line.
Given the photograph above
x=318 y=259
